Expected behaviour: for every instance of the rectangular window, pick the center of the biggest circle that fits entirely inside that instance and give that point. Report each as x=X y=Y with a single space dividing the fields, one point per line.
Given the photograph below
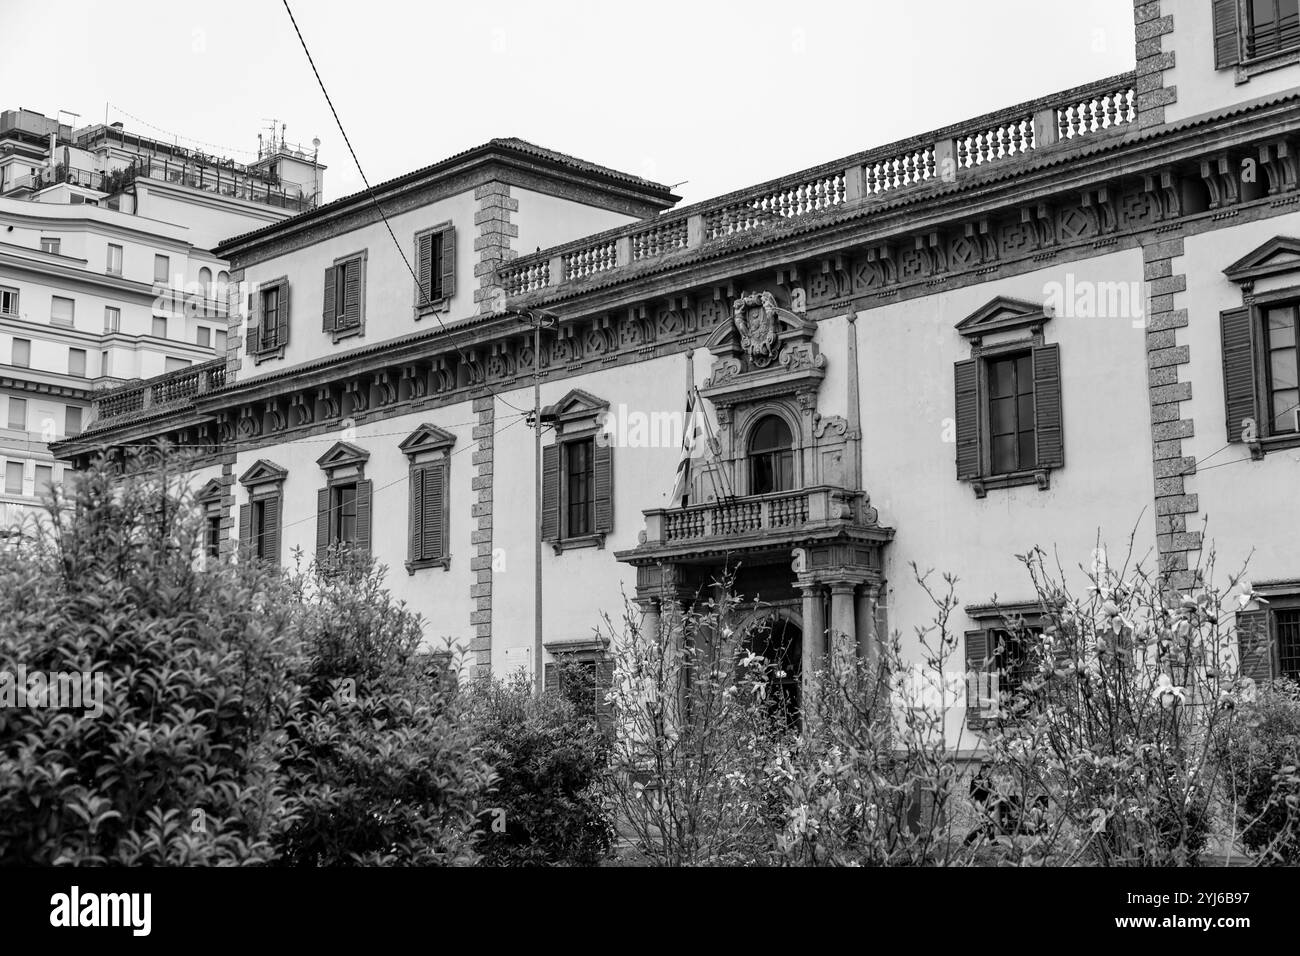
x=51 y=246
x=77 y=362
x=22 y=356
x=578 y=496
x=44 y=479
x=160 y=326
x=112 y=319
x=212 y=534
x=343 y=514
x=435 y=256
x=114 y=266
x=429 y=515
x=13 y=477
x=71 y=421
x=1272 y=26
x=269 y=332
x=171 y=364
x=104 y=364
x=18 y=413
x=1287 y=623
x=1282 y=386
x=1011 y=414
x=161 y=268
x=61 y=310
x=220 y=343
x=345 y=297
x=203 y=336
x=8 y=301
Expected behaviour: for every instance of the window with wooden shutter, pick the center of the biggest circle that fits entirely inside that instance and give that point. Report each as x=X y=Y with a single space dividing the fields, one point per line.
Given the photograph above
x=429 y=517
x=1254 y=645
x=977 y=678
x=260 y=517
x=435 y=256
x=322 y=526
x=577 y=475
x=245 y=525
x=345 y=297
x=603 y=482
x=551 y=493
x=363 y=536
x=1047 y=406
x=268 y=332
x=1227 y=42
x=966 y=374
x=1240 y=406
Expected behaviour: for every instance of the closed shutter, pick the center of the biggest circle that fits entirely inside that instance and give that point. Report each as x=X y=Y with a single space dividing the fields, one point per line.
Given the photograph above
x=322 y=525
x=433 y=508
x=1254 y=645
x=351 y=294
x=551 y=678
x=551 y=493
x=1227 y=46
x=271 y=531
x=977 y=653
x=1236 y=329
x=603 y=482
x=327 y=317
x=966 y=376
x=282 y=315
x=448 y=265
x=416 y=513
x=424 y=270
x=363 y=516
x=1047 y=406
x=245 y=524
x=254 y=340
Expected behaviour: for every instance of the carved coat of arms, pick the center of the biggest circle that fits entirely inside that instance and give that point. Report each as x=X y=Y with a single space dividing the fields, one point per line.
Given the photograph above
x=755 y=319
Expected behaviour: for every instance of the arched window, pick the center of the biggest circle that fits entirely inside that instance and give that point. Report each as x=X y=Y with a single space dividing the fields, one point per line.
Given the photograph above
x=205 y=280
x=771 y=457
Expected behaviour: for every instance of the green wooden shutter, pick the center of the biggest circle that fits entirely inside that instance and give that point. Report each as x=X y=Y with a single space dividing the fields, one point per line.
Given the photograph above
x=603 y=482
x=416 y=514
x=1047 y=406
x=551 y=493
x=363 y=516
x=271 y=531
x=245 y=524
x=351 y=293
x=1227 y=45
x=1239 y=395
x=424 y=270
x=448 y=264
x=327 y=316
x=322 y=525
x=966 y=374
x=977 y=655
x=434 y=508
x=551 y=678
x=282 y=315
x=254 y=341
x=1254 y=645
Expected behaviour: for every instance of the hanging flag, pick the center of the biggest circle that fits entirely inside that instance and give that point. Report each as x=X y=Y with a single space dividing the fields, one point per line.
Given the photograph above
x=681 y=485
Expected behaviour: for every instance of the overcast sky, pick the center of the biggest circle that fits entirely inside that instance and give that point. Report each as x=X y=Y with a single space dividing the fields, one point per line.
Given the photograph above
x=719 y=94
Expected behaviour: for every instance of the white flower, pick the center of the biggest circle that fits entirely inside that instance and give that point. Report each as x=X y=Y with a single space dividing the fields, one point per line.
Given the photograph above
x=1166 y=693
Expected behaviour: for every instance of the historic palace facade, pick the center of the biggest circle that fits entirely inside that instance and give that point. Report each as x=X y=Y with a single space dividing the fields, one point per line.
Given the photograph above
x=1073 y=317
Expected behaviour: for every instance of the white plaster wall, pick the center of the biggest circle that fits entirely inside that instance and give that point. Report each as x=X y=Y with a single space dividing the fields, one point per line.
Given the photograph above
x=1202 y=88
x=546 y=220
x=1250 y=505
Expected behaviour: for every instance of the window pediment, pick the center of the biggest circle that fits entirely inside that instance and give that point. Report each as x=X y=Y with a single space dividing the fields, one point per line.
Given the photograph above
x=263 y=472
x=1003 y=314
x=210 y=492
x=342 y=455
x=576 y=406
x=426 y=438
x=1279 y=255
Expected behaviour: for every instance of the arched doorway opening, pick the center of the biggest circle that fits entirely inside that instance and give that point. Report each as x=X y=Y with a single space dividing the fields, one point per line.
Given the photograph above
x=771 y=457
x=778 y=639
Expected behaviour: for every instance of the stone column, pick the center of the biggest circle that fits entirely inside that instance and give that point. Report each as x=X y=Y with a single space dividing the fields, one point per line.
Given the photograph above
x=650 y=619
x=868 y=639
x=814 y=633
x=843 y=629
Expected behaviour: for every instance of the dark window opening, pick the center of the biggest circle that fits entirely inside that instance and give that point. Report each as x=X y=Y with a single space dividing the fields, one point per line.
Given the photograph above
x=1282 y=385
x=1012 y=660
x=1273 y=26
x=343 y=514
x=780 y=643
x=1288 y=642
x=270 y=331
x=771 y=457
x=1011 y=414
x=580 y=499
x=213 y=535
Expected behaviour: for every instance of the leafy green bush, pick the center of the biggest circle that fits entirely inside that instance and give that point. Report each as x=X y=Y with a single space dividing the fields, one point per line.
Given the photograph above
x=552 y=766
x=195 y=668
x=1260 y=753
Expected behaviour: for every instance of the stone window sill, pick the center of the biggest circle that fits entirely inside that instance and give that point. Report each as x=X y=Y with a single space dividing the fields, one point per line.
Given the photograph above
x=1262 y=447
x=1039 y=476
x=413 y=566
x=265 y=355
x=341 y=334
x=1265 y=64
x=431 y=308
x=580 y=541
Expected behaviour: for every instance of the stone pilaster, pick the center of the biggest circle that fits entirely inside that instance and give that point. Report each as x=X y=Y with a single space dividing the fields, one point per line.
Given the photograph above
x=1152 y=62
x=481 y=536
x=493 y=242
x=1176 y=545
x=226 y=547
